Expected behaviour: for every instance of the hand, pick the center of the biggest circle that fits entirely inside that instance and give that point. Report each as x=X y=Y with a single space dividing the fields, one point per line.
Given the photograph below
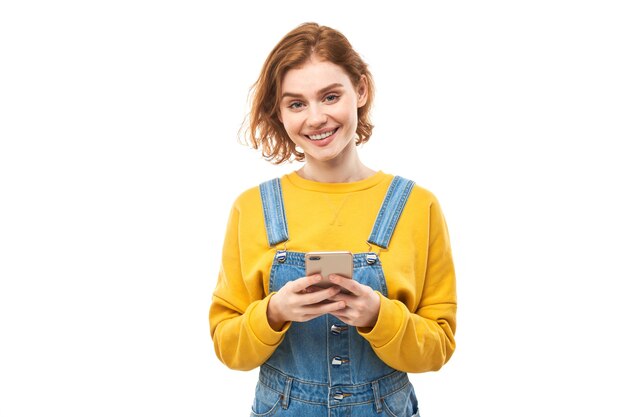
x=362 y=305
x=300 y=301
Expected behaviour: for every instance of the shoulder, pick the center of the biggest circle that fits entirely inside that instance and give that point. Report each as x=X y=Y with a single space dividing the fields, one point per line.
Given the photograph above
x=250 y=198
x=423 y=194
x=419 y=194
x=423 y=204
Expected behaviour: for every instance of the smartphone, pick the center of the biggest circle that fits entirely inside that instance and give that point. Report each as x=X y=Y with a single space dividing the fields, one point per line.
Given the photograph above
x=326 y=263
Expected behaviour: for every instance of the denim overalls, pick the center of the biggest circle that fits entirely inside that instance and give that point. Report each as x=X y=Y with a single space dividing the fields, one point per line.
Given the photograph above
x=323 y=367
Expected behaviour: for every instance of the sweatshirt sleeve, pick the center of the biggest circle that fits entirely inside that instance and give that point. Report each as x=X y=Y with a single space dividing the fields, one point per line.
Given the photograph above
x=242 y=336
x=421 y=340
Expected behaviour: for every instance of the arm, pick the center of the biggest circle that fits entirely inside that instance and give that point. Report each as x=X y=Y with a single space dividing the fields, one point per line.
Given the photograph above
x=421 y=340
x=242 y=336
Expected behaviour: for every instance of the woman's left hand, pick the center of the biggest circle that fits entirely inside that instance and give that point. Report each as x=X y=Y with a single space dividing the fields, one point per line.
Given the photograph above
x=362 y=304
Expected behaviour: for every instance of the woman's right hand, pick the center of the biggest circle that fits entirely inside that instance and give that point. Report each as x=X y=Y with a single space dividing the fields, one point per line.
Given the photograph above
x=300 y=301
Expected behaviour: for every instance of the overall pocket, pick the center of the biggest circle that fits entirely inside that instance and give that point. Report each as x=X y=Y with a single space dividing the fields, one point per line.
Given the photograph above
x=401 y=403
x=266 y=401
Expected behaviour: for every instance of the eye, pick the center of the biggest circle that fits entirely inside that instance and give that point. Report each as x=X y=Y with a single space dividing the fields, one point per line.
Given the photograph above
x=332 y=97
x=295 y=105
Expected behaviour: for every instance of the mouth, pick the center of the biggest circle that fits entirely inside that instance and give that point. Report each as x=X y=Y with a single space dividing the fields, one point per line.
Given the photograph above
x=322 y=136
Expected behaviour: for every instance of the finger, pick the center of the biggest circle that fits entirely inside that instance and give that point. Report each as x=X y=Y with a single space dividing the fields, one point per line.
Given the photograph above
x=301 y=284
x=314 y=288
x=347 y=298
x=324 y=308
x=347 y=283
x=321 y=295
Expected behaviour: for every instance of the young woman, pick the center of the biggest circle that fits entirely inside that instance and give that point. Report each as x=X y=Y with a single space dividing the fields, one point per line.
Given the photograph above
x=323 y=351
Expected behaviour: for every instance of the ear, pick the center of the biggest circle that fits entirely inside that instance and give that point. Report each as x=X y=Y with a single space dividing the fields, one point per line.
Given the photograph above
x=361 y=92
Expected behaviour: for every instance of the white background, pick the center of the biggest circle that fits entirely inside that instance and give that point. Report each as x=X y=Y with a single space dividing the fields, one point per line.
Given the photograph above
x=119 y=162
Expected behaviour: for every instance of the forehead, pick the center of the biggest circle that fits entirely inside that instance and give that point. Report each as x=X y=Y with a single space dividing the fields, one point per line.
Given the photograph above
x=313 y=75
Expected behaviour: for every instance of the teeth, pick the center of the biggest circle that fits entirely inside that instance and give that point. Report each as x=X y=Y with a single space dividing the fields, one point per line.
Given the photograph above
x=322 y=136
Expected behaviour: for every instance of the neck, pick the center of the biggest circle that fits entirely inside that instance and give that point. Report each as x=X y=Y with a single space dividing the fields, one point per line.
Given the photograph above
x=346 y=167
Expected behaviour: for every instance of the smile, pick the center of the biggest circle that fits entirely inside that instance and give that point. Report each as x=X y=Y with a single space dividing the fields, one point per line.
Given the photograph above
x=322 y=136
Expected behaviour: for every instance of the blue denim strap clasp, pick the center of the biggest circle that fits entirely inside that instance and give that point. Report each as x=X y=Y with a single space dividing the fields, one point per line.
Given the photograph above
x=274 y=212
x=389 y=213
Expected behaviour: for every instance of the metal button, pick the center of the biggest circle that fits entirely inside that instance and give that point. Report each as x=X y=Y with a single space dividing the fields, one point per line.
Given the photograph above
x=281 y=255
x=341 y=395
x=371 y=258
x=337 y=329
x=339 y=361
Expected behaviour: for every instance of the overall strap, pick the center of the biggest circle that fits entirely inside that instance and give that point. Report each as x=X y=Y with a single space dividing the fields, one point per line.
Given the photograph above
x=274 y=212
x=390 y=211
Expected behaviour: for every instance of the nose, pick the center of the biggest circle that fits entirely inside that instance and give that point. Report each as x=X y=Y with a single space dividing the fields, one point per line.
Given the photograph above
x=316 y=117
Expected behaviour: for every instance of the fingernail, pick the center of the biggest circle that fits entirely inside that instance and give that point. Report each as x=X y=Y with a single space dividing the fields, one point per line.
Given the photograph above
x=332 y=277
x=318 y=278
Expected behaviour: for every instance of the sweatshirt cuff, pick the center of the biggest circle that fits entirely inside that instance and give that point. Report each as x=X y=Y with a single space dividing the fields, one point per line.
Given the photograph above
x=388 y=324
x=260 y=326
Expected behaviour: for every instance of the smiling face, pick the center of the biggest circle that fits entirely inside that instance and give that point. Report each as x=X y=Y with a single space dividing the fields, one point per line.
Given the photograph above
x=318 y=109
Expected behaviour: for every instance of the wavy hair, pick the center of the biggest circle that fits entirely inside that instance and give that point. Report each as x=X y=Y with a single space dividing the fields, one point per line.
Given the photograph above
x=264 y=129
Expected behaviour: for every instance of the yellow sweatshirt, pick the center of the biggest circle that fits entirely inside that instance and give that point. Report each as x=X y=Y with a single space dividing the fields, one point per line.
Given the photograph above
x=417 y=320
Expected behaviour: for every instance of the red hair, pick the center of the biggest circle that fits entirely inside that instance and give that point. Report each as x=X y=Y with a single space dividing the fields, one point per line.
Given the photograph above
x=265 y=129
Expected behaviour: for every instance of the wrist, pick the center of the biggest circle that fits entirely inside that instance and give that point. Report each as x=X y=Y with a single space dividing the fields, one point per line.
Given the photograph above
x=274 y=318
x=375 y=310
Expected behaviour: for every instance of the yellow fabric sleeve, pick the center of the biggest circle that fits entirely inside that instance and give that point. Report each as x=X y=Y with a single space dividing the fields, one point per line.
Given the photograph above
x=421 y=340
x=242 y=336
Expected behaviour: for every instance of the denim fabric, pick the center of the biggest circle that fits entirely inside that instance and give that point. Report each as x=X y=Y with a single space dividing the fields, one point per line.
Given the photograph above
x=323 y=367
x=391 y=209
x=274 y=212
x=283 y=395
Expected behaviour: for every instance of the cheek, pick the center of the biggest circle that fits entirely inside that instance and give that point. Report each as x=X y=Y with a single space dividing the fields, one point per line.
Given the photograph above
x=348 y=114
x=291 y=123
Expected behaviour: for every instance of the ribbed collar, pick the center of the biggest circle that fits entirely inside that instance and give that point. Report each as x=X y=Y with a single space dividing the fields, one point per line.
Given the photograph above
x=336 y=187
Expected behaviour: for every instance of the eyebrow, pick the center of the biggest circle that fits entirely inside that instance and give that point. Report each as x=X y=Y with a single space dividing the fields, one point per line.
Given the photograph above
x=319 y=92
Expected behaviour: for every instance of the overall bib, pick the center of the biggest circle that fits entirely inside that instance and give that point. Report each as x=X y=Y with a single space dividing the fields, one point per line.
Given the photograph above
x=323 y=367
